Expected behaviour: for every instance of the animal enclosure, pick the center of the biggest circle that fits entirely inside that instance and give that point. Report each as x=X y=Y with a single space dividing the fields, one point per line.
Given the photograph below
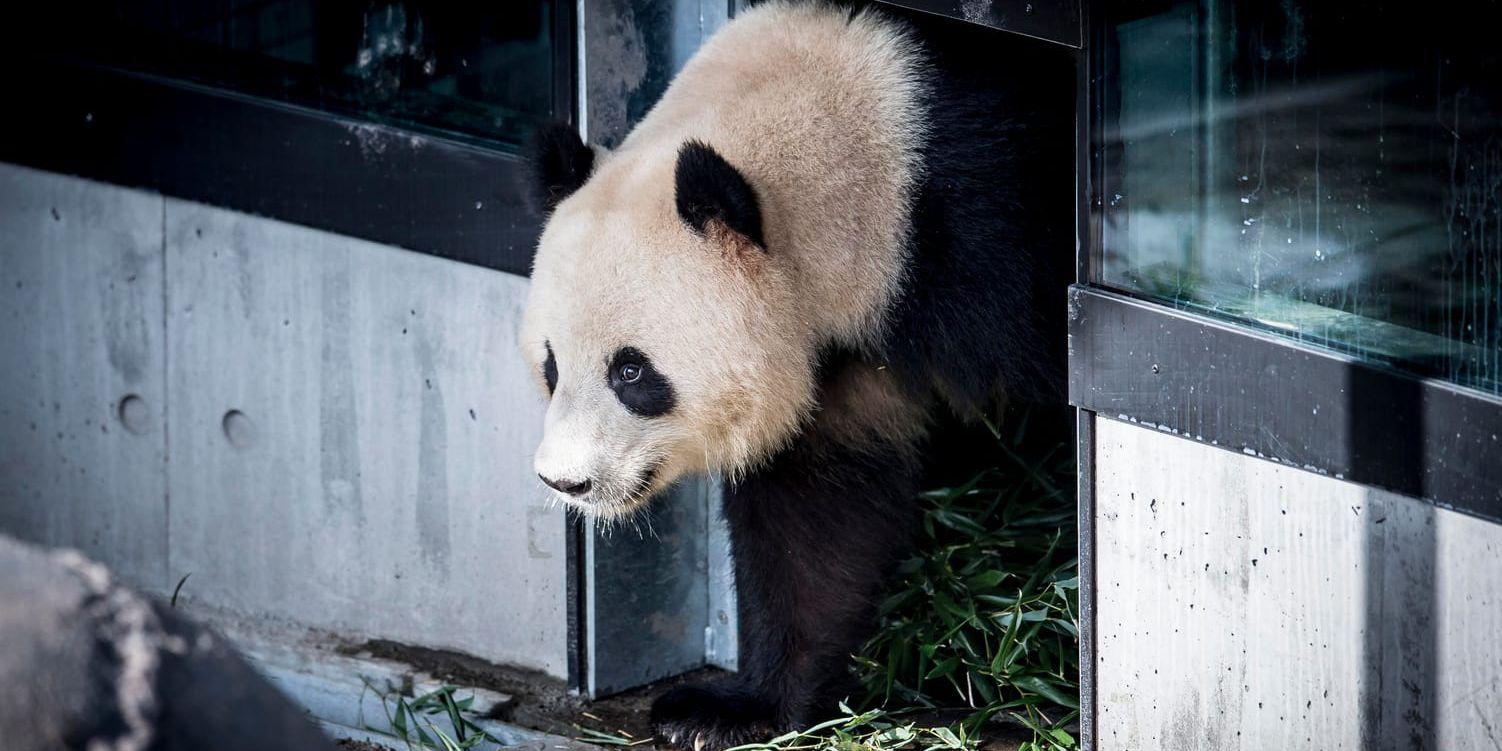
x=263 y=265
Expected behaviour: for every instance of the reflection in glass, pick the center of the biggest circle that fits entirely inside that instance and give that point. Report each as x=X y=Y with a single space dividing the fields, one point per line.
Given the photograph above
x=480 y=70
x=1331 y=170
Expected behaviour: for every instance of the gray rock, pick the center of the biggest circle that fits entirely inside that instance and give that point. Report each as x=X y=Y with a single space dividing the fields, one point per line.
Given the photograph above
x=86 y=663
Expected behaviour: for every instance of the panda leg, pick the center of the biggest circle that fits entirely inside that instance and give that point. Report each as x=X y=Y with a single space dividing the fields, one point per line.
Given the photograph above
x=814 y=535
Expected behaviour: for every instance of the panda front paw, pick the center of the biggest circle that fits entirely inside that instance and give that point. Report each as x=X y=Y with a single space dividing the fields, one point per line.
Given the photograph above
x=712 y=717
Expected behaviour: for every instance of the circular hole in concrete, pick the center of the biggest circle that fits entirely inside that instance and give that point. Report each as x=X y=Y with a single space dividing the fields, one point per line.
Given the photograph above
x=133 y=414
x=238 y=429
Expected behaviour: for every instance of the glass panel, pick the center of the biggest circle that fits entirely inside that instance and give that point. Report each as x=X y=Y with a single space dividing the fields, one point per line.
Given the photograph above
x=483 y=70
x=632 y=50
x=1331 y=170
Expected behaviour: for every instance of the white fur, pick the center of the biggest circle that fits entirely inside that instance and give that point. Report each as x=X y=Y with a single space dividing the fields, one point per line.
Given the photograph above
x=823 y=115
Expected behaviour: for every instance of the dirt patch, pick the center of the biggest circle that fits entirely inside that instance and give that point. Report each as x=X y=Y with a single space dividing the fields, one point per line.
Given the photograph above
x=544 y=703
x=354 y=745
x=539 y=701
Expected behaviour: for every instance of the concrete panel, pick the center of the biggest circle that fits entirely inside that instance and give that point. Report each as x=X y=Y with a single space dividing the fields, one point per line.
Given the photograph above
x=351 y=435
x=82 y=398
x=1245 y=604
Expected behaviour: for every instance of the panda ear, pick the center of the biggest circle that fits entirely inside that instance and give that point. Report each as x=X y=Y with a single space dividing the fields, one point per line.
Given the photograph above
x=558 y=163
x=708 y=188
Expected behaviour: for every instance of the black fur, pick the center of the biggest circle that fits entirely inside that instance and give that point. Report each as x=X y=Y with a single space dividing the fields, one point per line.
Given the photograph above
x=981 y=313
x=813 y=535
x=730 y=712
x=651 y=395
x=558 y=163
x=707 y=187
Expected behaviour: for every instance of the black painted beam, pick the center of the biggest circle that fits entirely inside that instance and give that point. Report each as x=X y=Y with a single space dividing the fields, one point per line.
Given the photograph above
x=421 y=192
x=1282 y=400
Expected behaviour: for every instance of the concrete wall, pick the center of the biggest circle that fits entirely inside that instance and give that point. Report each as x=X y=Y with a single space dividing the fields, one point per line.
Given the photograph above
x=1245 y=604
x=82 y=387
x=318 y=429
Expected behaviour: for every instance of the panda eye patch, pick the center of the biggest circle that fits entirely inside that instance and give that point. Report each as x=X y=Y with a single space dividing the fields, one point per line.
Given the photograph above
x=550 y=369
x=638 y=385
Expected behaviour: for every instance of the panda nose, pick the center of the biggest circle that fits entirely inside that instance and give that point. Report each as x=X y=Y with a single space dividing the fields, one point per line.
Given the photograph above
x=567 y=486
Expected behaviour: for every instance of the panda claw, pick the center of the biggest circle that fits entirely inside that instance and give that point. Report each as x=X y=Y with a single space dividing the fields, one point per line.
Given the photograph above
x=710 y=717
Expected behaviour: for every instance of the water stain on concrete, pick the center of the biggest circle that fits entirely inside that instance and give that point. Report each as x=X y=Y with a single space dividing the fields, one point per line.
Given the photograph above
x=338 y=418
x=432 y=460
x=127 y=337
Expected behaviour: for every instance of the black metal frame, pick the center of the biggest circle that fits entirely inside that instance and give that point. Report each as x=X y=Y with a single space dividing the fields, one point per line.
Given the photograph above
x=426 y=192
x=1231 y=386
x=1086 y=239
x=576 y=576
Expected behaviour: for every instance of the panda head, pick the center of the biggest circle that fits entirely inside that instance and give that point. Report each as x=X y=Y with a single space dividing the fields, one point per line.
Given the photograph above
x=663 y=328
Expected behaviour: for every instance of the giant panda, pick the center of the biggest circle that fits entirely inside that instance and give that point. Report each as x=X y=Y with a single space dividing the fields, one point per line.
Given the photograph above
x=836 y=226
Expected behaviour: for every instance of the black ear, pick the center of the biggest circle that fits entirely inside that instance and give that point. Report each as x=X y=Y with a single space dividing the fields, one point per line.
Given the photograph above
x=707 y=187
x=558 y=163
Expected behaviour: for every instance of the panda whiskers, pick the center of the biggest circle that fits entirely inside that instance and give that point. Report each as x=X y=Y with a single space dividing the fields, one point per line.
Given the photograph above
x=642 y=515
x=607 y=524
x=551 y=502
x=709 y=464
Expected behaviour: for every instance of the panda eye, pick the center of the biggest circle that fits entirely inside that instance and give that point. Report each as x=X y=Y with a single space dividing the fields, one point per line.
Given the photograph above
x=639 y=386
